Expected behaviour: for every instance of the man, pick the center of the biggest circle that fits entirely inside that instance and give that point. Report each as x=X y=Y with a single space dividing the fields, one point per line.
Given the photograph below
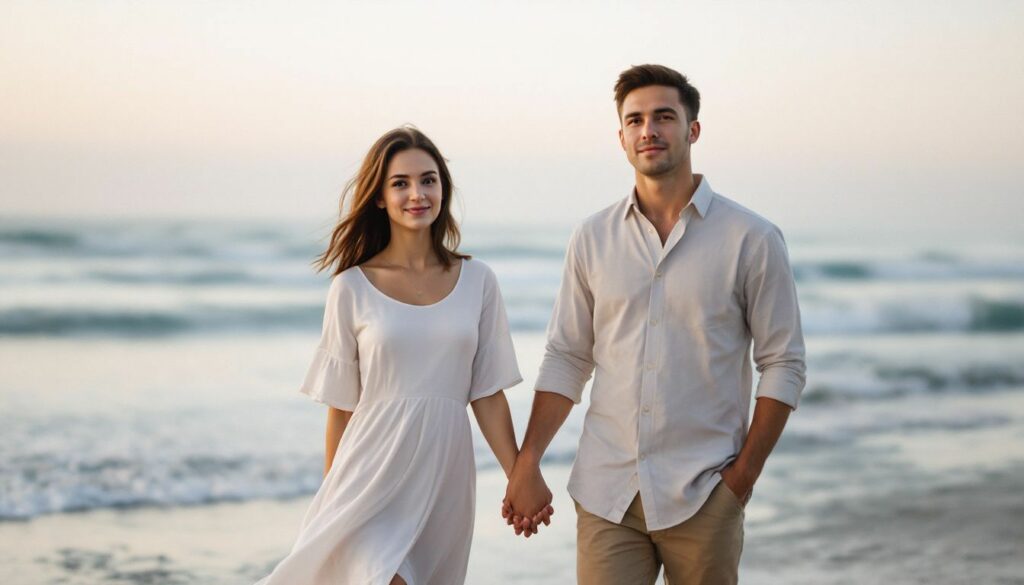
x=663 y=295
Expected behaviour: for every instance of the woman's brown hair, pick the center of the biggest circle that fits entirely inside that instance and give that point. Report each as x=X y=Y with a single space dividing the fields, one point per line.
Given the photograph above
x=366 y=230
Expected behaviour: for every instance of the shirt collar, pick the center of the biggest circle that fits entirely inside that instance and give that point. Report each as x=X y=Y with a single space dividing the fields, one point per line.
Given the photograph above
x=630 y=204
x=700 y=201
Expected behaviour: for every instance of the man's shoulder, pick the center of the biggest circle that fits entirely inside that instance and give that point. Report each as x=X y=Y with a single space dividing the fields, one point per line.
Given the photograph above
x=740 y=217
x=600 y=221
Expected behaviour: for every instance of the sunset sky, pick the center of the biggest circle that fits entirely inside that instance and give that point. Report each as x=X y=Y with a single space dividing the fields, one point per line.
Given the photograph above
x=895 y=115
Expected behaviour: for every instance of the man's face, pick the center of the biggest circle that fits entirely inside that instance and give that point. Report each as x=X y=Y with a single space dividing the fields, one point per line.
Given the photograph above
x=654 y=131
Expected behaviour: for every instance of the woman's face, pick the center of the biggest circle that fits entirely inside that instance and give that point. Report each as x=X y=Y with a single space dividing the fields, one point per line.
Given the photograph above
x=412 y=190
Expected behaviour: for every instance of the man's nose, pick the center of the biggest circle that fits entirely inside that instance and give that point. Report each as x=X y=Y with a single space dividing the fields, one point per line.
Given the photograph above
x=649 y=131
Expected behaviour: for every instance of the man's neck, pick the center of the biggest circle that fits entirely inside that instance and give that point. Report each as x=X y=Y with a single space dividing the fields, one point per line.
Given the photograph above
x=663 y=198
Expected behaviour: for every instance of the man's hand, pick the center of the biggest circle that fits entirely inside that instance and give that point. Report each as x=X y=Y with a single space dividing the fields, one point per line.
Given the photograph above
x=739 y=480
x=527 y=501
x=516 y=521
x=770 y=417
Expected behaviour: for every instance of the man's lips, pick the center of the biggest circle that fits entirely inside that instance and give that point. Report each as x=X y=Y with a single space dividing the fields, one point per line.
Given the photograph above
x=651 y=149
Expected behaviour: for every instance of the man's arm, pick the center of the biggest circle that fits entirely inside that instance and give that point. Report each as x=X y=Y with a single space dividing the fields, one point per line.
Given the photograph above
x=773 y=317
x=528 y=496
x=770 y=418
x=567 y=365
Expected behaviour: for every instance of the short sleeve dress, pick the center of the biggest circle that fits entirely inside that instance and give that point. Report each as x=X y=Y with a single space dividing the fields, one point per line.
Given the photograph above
x=400 y=495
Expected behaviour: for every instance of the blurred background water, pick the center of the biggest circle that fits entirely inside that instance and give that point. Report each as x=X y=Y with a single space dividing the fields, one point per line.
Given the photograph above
x=155 y=363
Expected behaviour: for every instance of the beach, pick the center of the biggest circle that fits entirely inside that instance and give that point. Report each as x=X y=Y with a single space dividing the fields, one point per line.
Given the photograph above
x=152 y=431
x=968 y=532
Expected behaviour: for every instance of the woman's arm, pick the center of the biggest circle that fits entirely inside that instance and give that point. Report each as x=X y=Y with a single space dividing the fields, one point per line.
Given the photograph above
x=337 y=421
x=495 y=422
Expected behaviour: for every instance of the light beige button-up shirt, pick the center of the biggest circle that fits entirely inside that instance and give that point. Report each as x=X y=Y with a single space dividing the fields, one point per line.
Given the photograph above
x=667 y=332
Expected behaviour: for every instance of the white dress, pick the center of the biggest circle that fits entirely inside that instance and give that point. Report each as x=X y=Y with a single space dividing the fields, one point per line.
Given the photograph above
x=400 y=495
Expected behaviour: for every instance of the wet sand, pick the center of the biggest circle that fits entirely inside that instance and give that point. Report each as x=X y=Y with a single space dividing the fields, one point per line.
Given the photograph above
x=962 y=533
x=241 y=542
x=970 y=533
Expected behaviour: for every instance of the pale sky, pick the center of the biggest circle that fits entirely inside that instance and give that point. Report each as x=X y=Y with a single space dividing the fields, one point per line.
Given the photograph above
x=890 y=114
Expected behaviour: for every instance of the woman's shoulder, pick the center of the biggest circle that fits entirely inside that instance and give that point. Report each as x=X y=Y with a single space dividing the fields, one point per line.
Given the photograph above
x=344 y=282
x=347 y=277
x=480 y=278
x=478 y=270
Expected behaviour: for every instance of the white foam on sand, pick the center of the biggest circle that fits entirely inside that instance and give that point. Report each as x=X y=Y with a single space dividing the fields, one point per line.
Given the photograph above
x=241 y=542
x=922 y=533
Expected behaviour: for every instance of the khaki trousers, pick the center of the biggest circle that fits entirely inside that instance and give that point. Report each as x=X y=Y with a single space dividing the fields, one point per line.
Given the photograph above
x=702 y=550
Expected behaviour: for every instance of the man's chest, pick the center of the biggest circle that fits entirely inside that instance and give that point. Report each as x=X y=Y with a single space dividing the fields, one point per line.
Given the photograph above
x=697 y=283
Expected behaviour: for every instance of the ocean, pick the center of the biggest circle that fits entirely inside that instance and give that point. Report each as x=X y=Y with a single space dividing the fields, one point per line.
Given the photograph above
x=151 y=367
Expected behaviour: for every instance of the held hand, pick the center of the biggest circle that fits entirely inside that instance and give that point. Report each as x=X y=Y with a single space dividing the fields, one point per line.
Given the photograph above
x=511 y=517
x=526 y=527
x=739 y=481
x=528 y=498
x=527 y=492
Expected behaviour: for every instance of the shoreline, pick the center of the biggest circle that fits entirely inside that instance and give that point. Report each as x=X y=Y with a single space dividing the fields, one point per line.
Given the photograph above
x=240 y=542
x=951 y=533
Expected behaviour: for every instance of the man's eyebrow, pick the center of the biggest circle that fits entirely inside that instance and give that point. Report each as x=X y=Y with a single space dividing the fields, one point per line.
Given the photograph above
x=664 y=110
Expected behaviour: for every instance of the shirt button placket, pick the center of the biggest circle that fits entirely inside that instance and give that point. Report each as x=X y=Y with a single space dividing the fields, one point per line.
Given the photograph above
x=649 y=376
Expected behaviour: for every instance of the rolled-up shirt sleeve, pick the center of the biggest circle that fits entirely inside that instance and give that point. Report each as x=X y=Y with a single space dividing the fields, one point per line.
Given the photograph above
x=773 y=317
x=569 y=354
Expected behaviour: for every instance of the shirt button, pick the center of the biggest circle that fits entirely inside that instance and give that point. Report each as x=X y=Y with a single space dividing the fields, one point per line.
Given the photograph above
x=647 y=409
x=642 y=457
x=650 y=367
x=654 y=321
x=657 y=274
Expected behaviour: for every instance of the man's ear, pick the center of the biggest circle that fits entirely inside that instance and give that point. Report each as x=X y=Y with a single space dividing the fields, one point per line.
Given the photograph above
x=694 y=131
x=622 y=139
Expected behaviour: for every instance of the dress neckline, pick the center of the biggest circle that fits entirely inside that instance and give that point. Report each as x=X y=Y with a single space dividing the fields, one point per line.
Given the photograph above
x=451 y=293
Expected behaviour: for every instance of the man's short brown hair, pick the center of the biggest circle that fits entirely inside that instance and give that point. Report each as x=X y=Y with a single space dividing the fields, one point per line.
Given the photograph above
x=639 y=76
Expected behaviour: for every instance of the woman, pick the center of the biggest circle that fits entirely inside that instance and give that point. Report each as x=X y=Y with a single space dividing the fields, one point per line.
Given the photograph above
x=413 y=331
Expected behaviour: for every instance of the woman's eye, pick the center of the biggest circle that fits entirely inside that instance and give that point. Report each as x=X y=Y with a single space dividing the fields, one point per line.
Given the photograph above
x=398 y=184
x=429 y=181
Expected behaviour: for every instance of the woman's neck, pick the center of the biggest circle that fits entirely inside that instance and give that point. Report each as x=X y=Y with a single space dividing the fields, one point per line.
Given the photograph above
x=410 y=249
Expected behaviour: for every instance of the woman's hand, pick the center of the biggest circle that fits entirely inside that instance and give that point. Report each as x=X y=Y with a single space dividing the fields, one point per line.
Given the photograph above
x=527 y=498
